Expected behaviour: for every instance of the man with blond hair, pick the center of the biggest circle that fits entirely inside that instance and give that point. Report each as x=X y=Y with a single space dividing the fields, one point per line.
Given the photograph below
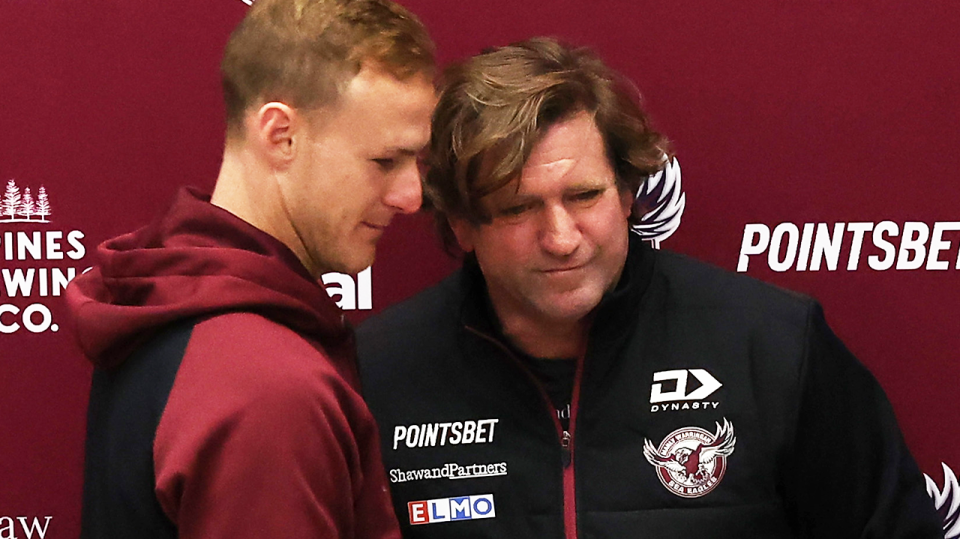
x=570 y=381
x=225 y=400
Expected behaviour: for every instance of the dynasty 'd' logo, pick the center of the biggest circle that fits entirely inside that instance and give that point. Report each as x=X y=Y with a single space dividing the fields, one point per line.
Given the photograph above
x=672 y=387
x=660 y=201
x=690 y=461
x=947 y=501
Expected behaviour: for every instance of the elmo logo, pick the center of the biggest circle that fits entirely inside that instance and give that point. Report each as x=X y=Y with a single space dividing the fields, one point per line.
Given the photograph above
x=451 y=509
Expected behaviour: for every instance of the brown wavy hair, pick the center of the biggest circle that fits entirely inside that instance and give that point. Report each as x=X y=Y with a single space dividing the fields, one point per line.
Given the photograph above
x=303 y=52
x=496 y=106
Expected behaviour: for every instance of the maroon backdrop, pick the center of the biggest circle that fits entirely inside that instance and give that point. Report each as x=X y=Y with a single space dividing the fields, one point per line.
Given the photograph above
x=786 y=116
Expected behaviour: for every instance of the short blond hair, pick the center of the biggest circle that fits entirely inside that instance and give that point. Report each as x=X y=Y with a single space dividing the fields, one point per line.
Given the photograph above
x=303 y=52
x=496 y=106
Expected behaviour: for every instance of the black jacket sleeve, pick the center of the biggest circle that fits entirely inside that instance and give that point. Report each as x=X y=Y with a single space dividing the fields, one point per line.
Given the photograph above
x=849 y=473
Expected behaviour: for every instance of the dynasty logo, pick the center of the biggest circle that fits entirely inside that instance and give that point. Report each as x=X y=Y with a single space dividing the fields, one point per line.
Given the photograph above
x=690 y=461
x=671 y=390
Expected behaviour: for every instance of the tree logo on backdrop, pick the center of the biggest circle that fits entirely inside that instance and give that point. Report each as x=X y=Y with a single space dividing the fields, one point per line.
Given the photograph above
x=660 y=200
x=17 y=206
x=947 y=501
x=32 y=255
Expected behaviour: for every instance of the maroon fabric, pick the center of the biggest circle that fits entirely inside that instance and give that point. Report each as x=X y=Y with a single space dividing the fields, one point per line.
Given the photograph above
x=197 y=260
x=265 y=428
x=262 y=433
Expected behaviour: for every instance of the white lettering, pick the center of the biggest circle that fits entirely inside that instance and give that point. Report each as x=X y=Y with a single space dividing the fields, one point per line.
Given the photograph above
x=18 y=281
x=914 y=240
x=346 y=289
x=53 y=245
x=33 y=245
x=858 y=229
x=434 y=434
x=455 y=433
x=6 y=528
x=827 y=247
x=874 y=261
x=353 y=295
x=8 y=531
x=430 y=434
x=804 y=254
x=469 y=431
x=34 y=527
x=8 y=328
x=773 y=256
x=413 y=432
x=365 y=290
x=399 y=434
x=756 y=239
x=908 y=246
x=46 y=318
x=938 y=245
x=79 y=251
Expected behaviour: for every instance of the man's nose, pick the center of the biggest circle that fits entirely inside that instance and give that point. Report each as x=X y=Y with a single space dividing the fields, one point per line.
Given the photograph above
x=405 y=193
x=561 y=234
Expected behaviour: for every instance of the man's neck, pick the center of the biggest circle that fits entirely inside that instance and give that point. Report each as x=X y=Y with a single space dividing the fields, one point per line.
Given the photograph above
x=245 y=188
x=547 y=339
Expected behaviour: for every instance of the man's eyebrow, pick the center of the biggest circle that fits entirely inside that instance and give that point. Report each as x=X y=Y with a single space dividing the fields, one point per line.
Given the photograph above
x=405 y=151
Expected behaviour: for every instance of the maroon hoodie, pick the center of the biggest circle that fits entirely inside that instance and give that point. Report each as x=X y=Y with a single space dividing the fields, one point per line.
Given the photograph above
x=225 y=402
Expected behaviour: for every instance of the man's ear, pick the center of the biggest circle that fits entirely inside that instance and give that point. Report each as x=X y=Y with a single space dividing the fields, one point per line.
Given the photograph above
x=464 y=231
x=278 y=128
x=627 y=198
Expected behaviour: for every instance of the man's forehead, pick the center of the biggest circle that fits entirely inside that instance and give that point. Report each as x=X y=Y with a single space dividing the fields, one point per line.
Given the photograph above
x=576 y=138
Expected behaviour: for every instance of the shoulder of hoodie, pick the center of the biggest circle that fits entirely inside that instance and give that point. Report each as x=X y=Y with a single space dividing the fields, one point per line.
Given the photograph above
x=255 y=403
x=244 y=360
x=690 y=284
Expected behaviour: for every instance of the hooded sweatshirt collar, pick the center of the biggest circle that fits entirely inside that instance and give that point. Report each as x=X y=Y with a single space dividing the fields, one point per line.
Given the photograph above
x=197 y=260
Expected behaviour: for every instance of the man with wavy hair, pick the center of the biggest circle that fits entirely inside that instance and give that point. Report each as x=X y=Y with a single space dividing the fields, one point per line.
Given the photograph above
x=571 y=381
x=225 y=401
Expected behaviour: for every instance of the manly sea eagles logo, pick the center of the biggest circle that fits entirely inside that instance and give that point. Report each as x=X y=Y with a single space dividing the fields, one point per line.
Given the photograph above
x=660 y=201
x=947 y=502
x=690 y=461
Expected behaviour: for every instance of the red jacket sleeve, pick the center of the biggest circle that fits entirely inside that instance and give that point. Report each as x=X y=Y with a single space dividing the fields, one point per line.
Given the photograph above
x=262 y=438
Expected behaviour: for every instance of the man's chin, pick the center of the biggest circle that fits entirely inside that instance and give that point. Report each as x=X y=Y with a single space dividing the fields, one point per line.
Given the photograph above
x=350 y=266
x=569 y=306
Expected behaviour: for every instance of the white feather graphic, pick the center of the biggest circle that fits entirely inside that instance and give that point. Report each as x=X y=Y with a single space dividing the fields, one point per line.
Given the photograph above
x=660 y=200
x=947 y=501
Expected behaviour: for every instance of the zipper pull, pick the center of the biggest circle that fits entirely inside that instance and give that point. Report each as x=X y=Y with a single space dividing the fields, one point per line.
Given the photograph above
x=565 y=455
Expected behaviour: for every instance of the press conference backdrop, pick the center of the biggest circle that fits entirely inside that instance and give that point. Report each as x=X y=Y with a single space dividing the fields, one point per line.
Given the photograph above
x=817 y=138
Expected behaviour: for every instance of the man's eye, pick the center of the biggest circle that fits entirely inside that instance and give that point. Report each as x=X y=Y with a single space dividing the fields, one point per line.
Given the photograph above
x=513 y=211
x=586 y=196
x=385 y=163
